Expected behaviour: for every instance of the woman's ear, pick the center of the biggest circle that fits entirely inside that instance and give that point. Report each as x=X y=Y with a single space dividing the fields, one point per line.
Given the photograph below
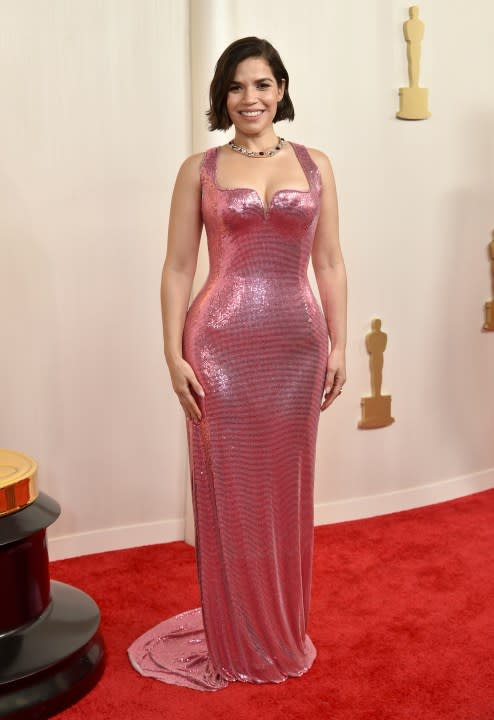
x=281 y=89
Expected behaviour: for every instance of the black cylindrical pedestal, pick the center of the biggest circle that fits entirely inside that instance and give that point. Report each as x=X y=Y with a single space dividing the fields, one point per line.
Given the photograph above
x=51 y=651
x=24 y=572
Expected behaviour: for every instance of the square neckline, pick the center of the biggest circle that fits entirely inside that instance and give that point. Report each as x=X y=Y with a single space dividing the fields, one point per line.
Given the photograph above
x=266 y=208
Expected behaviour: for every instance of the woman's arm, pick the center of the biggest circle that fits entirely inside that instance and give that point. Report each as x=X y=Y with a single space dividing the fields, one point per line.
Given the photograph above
x=330 y=273
x=184 y=235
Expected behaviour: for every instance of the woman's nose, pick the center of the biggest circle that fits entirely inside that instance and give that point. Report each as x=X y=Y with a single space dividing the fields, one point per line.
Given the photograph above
x=250 y=94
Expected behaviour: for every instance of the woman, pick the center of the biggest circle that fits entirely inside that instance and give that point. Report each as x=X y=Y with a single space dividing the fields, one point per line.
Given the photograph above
x=249 y=363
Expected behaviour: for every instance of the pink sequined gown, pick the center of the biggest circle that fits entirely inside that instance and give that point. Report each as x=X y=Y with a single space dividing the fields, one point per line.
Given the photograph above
x=258 y=343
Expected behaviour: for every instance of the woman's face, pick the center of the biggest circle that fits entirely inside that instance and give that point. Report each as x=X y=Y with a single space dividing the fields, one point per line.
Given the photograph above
x=253 y=96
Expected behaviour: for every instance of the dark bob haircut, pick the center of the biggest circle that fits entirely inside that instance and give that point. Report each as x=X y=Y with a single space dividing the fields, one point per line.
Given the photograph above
x=225 y=70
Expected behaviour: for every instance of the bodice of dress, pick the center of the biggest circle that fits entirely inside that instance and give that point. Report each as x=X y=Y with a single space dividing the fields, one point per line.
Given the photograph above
x=239 y=226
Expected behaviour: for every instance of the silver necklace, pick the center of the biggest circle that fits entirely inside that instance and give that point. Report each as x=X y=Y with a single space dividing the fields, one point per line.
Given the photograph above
x=261 y=153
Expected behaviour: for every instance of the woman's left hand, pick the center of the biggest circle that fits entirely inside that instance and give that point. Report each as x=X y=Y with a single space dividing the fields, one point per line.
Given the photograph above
x=335 y=377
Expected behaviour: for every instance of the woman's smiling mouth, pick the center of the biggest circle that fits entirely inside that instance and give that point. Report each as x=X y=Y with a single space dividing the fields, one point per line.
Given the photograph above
x=251 y=113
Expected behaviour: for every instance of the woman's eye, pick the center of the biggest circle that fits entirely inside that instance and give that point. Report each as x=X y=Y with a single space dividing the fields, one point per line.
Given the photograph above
x=261 y=86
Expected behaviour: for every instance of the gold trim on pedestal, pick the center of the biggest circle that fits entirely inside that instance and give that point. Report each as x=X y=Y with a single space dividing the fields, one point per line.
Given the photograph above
x=18 y=481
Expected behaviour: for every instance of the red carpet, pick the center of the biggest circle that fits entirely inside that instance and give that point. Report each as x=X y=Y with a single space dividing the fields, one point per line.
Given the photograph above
x=402 y=616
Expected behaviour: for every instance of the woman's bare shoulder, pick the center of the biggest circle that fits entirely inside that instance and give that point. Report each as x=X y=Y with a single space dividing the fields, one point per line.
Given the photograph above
x=190 y=169
x=324 y=164
x=192 y=163
x=320 y=158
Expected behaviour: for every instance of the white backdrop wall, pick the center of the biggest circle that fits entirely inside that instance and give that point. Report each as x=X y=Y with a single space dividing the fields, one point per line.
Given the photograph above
x=105 y=98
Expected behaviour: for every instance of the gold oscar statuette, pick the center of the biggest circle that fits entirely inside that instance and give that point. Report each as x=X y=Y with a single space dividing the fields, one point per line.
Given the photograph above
x=18 y=481
x=489 y=305
x=376 y=409
x=414 y=100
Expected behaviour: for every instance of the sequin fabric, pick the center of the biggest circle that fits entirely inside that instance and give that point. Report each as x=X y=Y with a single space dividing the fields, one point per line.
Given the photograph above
x=258 y=343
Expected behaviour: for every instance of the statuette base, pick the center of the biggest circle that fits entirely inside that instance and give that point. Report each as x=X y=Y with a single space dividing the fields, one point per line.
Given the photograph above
x=489 y=316
x=376 y=412
x=414 y=102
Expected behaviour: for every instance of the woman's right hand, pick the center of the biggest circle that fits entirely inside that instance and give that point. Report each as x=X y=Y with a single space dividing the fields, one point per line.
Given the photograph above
x=183 y=378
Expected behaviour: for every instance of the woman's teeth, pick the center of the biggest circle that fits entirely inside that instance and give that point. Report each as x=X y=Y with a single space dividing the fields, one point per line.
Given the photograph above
x=251 y=113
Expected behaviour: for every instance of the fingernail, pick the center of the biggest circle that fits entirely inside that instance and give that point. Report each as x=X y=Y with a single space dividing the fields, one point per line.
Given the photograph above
x=202 y=393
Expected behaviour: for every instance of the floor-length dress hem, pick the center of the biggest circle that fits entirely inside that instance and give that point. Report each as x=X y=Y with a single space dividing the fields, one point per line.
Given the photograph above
x=186 y=662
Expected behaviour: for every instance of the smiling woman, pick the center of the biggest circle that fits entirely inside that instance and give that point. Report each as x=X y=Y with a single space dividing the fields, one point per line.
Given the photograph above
x=251 y=99
x=230 y=79
x=249 y=363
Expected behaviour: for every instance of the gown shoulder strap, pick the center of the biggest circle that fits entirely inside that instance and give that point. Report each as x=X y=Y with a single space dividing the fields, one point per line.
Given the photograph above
x=309 y=166
x=208 y=165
